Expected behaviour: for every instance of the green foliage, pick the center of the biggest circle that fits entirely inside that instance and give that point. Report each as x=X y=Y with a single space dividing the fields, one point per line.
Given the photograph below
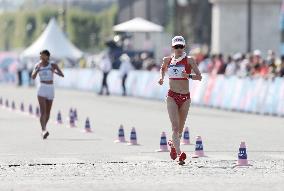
x=7 y=30
x=83 y=30
x=106 y=21
x=87 y=30
x=43 y=15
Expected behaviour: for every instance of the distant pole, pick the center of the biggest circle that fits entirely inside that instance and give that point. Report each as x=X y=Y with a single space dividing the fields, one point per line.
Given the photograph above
x=282 y=29
x=64 y=27
x=148 y=10
x=175 y=15
x=131 y=12
x=249 y=25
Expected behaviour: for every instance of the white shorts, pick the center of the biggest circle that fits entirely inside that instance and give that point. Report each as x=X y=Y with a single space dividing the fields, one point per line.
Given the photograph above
x=46 y=91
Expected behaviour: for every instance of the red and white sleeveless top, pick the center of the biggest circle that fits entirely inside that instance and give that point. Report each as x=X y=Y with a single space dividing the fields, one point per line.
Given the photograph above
x=175 y=70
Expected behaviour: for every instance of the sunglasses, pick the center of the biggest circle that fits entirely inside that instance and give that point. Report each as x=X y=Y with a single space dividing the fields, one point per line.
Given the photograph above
x=179 y=46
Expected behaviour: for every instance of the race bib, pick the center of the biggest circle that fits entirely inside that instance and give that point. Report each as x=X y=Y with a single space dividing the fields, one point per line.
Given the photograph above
x=175 y=71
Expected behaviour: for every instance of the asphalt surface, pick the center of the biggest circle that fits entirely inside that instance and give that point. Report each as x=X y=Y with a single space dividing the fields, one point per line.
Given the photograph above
x=73 y=160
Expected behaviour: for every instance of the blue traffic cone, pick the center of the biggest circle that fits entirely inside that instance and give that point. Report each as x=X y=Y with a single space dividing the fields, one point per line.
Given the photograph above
x=7 y=103
x=30 y=109
x=72 y=121
x=88 y=126
x=121 y=137
x=59 y=118
x=37 y=113
x=242 y=155
x=70 y=112
x=22 y=107
x=133 y=137
x=198 y=148
x=13 y=105
x=163 y=143
x=75 y=114
x=186 y=137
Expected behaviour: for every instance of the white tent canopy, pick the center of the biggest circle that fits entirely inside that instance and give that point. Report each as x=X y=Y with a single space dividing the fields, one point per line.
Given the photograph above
x=54 y=40
x=138 y=25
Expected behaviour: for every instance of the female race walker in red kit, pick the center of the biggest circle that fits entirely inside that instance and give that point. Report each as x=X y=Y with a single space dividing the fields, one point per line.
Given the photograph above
x=179 y=68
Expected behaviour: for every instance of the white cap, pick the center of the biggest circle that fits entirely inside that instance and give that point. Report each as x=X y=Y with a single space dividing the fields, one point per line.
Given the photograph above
x=237 y=56
x=124 y=58
x=178 y=40
x=256 y=53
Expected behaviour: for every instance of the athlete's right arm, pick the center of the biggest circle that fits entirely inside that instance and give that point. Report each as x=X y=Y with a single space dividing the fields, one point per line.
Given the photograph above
x=163 y=70
x=35 y=71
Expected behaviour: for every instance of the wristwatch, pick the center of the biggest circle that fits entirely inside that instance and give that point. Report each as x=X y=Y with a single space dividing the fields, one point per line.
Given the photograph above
x=190 y=76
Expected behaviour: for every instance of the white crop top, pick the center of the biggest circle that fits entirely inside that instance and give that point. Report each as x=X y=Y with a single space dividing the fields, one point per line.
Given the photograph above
x=46 y=73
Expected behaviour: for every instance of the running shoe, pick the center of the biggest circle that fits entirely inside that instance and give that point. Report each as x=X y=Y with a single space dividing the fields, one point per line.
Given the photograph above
x=173 y=152
x=45 y=134
x=181 y=159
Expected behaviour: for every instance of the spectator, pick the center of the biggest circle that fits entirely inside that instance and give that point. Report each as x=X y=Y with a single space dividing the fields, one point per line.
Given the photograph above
x=231 y=67
x=271 y=61
x=198 y=55
x=137 y=63
x=243 y=64
x=106 y=67
x=211 y=63
x=20 y=69
x=30 y=68
x=250 y=64
x=257 y=64
x=221 y=64
x=124 y=69
x=216 y=65
x=203 y=65
x=281 y=70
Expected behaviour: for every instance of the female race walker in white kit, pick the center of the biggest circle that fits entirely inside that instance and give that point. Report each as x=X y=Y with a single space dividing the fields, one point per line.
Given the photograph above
x=45 y=93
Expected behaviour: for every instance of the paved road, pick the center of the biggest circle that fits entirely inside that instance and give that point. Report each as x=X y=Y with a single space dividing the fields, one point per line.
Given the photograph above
x=73 y=160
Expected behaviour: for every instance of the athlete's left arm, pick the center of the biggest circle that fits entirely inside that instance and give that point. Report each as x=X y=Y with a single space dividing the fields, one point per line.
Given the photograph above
x=195 y=68
x=57 y=70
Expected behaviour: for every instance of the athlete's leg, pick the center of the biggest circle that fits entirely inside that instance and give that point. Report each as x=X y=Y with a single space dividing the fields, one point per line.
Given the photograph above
x=106 y=84
x=123 y=84
x=48 y=109
x=103 y=83
x=183 y=111
x=174 y=118
x=42 y=106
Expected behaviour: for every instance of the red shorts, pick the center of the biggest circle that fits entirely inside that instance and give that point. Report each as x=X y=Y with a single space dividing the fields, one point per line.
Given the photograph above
x=179 y=98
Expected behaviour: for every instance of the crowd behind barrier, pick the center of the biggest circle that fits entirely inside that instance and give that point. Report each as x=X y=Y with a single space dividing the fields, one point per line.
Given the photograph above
x=253 y=95
x=248 y=85
x=254 y=64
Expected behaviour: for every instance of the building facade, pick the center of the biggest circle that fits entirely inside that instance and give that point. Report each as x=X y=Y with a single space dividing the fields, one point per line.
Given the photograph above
x=156 y=11
x=245 y=25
